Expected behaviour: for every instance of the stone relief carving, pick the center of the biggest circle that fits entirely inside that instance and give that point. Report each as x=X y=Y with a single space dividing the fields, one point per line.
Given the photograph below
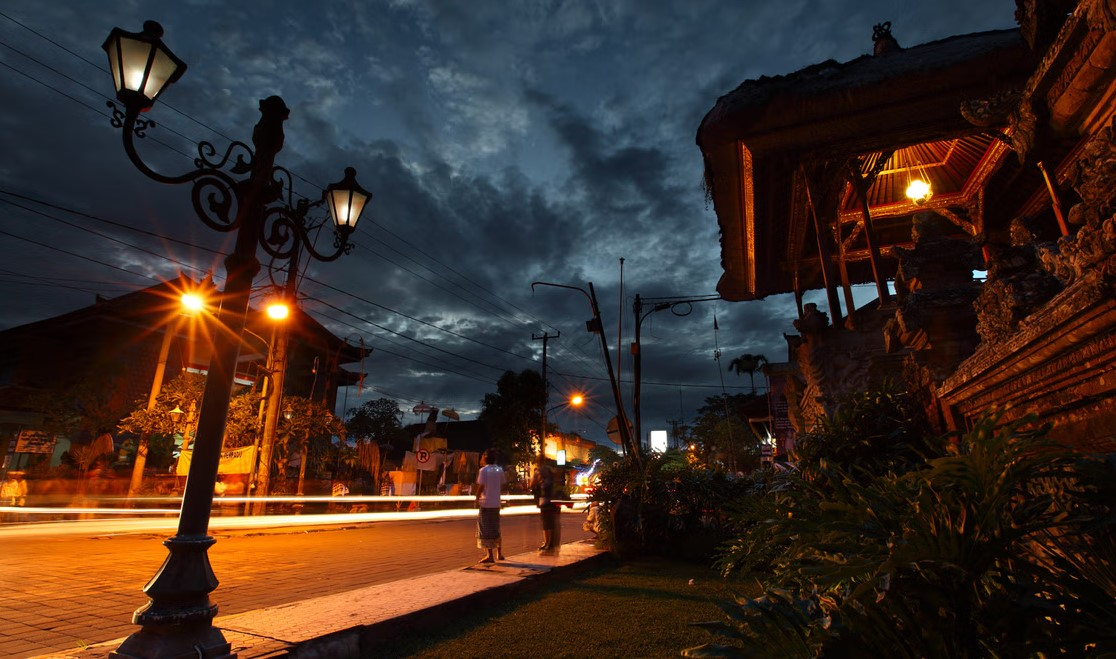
x=833 y=361
x=1093 y=245
x=934 y=286
x=1016 y=285
x=1040 y=20
x=1024 y=129
x=992 y=111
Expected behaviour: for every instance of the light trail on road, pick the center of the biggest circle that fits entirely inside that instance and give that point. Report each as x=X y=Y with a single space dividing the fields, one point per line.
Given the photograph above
x=168 y=523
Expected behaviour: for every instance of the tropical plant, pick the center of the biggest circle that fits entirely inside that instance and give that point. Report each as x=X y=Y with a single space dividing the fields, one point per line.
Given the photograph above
x=871 y=432
x=664 y=504
x=603 y=455
x=721 y=436
x=748 y=363
x=1003 y=547
x=379 y=421
x=306 y=428
x=88 y=404
x=184 y=393
x=513 y=414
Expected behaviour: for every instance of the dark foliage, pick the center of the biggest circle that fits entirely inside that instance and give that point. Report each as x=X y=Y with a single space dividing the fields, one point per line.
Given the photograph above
x=1002 y=547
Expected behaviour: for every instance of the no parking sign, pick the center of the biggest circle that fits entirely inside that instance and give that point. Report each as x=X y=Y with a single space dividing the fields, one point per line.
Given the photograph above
x=423 y=456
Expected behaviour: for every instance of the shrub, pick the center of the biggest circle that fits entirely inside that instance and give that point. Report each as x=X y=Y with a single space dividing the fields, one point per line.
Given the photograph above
x=871 y=432
x=665 y=505
x=1001 y=548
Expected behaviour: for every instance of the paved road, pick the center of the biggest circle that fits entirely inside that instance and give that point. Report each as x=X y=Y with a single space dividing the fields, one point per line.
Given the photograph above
x=60 y=592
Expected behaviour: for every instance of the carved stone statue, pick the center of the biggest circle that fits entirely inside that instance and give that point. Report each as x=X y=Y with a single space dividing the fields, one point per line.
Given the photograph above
x=1093 y=245
x=1016 y=285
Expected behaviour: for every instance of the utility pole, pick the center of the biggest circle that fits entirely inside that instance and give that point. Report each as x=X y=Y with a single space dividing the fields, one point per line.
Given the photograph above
x=620 y=328
x=595 y=326
x=277 y=376
x=169 y=330
x=545 y=338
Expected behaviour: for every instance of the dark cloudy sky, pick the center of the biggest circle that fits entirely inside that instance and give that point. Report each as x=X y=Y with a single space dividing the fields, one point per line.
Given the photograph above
x=505 y=142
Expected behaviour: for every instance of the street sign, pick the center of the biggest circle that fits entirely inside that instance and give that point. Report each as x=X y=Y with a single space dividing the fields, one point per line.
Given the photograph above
x=423 y=456
x=34 y=441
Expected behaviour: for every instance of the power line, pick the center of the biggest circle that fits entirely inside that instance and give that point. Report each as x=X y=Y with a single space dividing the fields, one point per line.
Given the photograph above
x=80 y=256
x=497 y=313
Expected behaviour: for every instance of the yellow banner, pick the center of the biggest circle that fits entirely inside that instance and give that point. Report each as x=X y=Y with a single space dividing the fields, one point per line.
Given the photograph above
x=233 y=461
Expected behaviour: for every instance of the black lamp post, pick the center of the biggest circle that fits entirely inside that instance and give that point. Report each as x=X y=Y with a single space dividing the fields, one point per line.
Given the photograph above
x=244 y=194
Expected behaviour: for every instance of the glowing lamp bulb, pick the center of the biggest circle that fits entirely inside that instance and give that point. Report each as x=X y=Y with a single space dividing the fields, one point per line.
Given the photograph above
x=192 y=302
x=918 y=191
x=278 y=311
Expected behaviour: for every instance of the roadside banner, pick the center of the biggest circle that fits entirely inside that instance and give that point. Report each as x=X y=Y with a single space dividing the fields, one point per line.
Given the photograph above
x=233 y=461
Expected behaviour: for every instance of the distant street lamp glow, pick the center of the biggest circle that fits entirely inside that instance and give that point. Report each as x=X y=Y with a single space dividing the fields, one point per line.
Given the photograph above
x=192 y=302
x=278 y=310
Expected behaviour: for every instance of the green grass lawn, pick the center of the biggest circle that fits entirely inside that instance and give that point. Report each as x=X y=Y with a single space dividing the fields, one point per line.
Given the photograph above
x=636 y=609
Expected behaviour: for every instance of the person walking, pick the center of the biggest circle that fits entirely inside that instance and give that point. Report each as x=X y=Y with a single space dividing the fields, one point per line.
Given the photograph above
x=490 y=484
x=542 y=486
x=14 y=490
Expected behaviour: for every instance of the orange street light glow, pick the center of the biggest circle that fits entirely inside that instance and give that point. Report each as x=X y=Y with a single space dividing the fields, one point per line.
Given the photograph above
x=278 y=311
x=192 y=302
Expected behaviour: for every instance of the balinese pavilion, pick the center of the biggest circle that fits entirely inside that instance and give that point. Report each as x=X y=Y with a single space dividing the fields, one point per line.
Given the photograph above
x=911 y=168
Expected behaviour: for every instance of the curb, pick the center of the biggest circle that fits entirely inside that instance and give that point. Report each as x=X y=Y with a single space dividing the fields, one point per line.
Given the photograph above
x=357 y=622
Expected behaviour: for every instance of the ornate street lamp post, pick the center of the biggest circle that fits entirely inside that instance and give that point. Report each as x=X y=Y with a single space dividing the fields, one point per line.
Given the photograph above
x=178 y=619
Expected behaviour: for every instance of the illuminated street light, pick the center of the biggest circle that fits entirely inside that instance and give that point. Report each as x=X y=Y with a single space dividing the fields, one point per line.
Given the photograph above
x=240 y=191
x=574 y=401
x=192 y=302
x=596 y=326
x=141 y=65
x=278 y=310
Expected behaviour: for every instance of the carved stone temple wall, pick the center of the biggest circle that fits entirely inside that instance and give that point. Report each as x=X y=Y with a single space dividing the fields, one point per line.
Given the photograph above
x=1047 y=318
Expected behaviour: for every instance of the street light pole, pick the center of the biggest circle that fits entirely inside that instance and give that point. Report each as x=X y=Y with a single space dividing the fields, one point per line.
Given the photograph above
x=595 y=325
x=169 y=330
x=275 y=394
x=178 y=619
x=674 y=304
x=545 y=338
x=637 y=361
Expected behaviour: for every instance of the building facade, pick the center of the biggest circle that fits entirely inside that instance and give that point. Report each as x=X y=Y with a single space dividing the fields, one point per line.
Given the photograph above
x=103 y=358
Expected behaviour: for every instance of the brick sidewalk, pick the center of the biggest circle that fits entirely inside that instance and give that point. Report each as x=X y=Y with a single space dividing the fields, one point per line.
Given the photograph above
x=63 y=593
x=349 y=624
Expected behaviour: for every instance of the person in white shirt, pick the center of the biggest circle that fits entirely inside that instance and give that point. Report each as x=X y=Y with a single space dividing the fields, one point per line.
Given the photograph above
x=490 y=483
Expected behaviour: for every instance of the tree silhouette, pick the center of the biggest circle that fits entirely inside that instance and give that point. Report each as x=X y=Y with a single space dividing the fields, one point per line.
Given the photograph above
x=748 y=363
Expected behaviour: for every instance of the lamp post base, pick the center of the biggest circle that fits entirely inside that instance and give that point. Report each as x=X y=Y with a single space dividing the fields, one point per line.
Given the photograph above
x=202 y=641
x=178 y=621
